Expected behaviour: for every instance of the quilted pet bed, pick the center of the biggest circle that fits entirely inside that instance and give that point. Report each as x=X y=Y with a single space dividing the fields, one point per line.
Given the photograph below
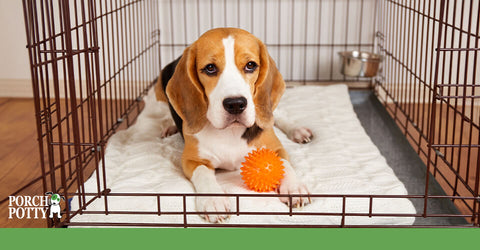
x=341 y=159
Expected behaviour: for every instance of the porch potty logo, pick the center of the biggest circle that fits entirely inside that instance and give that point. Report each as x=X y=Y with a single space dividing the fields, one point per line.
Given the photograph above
x=34 y=207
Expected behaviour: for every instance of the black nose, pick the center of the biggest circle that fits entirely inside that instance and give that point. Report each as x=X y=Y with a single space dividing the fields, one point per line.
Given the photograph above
x=235 y=106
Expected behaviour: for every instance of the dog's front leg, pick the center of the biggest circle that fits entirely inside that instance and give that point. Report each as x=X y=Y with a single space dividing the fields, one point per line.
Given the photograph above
x=203 y=178
x=291 y=185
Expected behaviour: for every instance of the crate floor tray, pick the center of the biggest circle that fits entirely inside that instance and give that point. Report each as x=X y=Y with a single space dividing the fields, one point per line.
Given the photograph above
x=341 y=160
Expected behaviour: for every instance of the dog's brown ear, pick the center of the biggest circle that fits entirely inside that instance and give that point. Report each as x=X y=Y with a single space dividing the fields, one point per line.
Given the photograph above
x=269 y=89
x=186 y=94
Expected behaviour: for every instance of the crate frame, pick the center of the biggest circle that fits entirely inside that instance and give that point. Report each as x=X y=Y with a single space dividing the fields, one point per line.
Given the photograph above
x=112 y=101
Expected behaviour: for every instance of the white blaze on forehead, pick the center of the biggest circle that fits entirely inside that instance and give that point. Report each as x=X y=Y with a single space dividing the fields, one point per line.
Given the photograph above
x=229 y=45
x=230 y=84
x=231 y=80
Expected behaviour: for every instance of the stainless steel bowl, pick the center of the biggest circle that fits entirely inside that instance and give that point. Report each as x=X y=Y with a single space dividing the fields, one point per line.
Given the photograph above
x=359 y=63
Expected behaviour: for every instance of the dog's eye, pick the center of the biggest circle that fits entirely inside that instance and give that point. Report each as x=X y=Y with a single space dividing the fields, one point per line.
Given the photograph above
x=210 y=69
x=250 y=67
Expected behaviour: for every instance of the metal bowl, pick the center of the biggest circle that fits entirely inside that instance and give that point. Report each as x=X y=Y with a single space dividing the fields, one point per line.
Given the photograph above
x=359 y=63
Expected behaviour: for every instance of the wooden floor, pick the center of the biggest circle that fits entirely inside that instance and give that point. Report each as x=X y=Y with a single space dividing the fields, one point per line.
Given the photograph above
x=452 y=131
x=19 y=155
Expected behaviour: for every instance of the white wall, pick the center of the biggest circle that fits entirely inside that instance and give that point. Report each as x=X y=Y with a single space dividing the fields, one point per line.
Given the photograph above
x=417 y=51
x=273 y=21
x=314 y=22
x=14 y=66
x=182 y=21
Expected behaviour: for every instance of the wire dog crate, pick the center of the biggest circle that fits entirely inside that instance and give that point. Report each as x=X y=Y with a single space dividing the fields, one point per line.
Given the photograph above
x=93 y=61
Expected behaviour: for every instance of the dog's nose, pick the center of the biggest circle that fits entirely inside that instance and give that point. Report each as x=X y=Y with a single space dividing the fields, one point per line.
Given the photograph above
x=235 y=106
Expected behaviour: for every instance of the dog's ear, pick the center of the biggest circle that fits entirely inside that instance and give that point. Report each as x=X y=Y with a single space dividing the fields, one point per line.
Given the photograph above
x=186 y=94
x=269 y=89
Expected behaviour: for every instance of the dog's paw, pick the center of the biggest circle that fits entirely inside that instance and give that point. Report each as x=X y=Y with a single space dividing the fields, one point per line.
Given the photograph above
x=301 y=135
x=213 y=204
x=170 y=130
x=293 y=186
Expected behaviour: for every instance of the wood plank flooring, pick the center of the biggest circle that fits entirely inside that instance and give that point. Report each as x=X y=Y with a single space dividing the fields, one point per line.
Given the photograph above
x=19 y=158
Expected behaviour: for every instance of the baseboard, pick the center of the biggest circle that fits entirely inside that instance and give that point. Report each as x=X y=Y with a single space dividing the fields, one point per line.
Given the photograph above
x=19 y=88
x=351 y=85
x=22 y=88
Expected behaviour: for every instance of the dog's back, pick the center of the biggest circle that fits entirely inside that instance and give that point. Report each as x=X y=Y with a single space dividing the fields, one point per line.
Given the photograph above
x=166 y=74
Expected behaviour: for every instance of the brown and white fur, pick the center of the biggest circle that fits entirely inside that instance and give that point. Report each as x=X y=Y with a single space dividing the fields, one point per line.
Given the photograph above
x=222 y=92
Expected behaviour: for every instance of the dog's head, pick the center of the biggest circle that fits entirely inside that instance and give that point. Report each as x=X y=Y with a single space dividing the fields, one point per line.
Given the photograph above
x=226 y=78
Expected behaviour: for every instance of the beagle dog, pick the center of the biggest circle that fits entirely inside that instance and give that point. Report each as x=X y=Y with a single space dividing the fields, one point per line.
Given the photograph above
x=222 y=93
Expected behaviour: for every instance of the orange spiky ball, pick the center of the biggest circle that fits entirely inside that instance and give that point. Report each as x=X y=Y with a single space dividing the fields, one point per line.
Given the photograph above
x=262 y=170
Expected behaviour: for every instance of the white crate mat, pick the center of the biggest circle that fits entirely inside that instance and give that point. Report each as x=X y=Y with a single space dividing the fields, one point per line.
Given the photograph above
x=341 y=159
